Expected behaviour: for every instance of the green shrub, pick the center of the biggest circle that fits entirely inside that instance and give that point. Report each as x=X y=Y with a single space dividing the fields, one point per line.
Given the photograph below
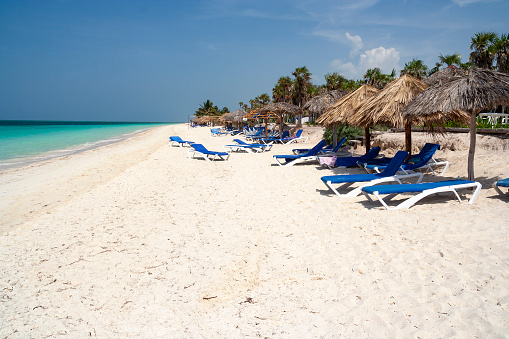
x=350 y=132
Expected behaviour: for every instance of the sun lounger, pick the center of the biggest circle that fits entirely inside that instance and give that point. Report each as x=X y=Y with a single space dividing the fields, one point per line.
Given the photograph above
x=296 y=138
x=326 y=150
x=250 y=148
x=176 y=140
x=199 y=149
x=352 y=161
x=275 y=138
x=501 y=183
x=423 y=190
x=290 y=160
x=422 y=161
x=216 y=132
x=387 y=175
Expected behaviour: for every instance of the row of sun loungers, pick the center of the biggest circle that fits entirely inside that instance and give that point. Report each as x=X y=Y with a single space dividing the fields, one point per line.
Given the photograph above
x=380 y=171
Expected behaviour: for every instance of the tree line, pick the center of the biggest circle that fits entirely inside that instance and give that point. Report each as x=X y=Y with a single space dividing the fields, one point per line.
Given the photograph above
x=489 y=50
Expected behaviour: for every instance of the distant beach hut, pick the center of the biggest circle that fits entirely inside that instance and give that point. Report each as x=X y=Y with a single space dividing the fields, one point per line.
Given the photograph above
x=341 y=110
x=386 y=107
x=475 y=90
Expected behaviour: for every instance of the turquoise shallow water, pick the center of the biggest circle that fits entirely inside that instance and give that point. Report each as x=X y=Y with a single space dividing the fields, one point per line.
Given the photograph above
x=30 y=141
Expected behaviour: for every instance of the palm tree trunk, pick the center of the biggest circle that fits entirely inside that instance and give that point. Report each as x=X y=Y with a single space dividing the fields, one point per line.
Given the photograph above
x=471 y=150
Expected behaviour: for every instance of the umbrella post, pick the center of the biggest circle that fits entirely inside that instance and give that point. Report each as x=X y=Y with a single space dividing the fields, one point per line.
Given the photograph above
x=367 y=135
x=471 y=150
x=335 y=135
x=408 y=138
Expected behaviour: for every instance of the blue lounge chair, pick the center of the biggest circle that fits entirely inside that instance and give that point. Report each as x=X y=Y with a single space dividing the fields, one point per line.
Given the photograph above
x=276 y=139
x=216 y=132
x=199 y=149
x=387 y=175
x=422 y=161
x=176 y=140
x=297 y=137
x=290 y=160
x=244 y=146
x=501 y=183
x=255 y=135
x=423 y=190
x=352 y=161
x=326 y=150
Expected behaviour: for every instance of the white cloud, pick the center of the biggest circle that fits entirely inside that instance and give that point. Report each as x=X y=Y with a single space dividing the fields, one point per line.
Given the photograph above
x=462 y=3
x=356 y=42
x=386 y=59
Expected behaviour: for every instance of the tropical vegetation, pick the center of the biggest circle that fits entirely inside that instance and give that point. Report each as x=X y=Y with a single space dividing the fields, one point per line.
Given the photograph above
x=489 y=50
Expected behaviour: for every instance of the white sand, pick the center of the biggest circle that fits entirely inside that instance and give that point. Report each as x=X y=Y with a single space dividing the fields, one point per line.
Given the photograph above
x=135 y=239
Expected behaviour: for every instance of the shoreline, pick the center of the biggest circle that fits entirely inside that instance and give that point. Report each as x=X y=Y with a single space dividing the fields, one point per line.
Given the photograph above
x=53 y=179
x=138 y=240
x=21 y=161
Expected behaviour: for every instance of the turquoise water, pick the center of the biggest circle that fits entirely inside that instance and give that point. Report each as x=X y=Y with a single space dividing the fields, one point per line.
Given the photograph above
x=29 y=141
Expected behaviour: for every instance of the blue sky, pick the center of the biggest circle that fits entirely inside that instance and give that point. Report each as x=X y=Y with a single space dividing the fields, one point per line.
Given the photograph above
x=159 y=60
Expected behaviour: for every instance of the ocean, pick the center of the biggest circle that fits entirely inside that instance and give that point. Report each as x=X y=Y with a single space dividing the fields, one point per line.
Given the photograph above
x=27 y=141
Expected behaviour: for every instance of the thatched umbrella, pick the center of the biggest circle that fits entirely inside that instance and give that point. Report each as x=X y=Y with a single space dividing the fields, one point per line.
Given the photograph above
x=341 y=110
x=386 y=107
x=318 y=104
x=236 y=116
x=477 y=90
x=281 y=109
x=444 y=75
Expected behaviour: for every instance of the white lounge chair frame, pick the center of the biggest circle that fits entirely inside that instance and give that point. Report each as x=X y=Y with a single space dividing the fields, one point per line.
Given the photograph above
x=358 y=190
x=427 y=168
x=414 y=199
x=499 y=191
x=248 y=148
x=192 y=152
x=296 y=161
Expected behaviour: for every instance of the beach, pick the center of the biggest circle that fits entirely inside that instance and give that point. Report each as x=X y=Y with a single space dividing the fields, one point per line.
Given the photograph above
x=134 y=239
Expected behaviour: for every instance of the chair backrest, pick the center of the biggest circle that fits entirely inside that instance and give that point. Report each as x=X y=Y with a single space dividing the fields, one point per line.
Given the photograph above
x=176 y=139
x=285 y=134
x=370 y=155
x=340 y=143
x=314 y=151
x=424 y=157
x=240 y=142
x=394 y=165
x=298 y=134
x=199 y=148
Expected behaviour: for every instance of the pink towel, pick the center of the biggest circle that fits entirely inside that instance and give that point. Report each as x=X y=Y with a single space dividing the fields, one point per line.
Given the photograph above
x=329 y=161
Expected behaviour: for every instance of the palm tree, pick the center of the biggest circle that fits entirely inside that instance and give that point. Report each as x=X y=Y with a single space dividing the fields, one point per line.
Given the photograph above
x=415 y=68
x=334 y=81
x=483 y=49
x=450 y=59
x=241 y=104
x=301 y=83
x=501 y=47
x=207 y=108
x=281 y=92
x=376 y=78
x=264 y=99
x=372 y=75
